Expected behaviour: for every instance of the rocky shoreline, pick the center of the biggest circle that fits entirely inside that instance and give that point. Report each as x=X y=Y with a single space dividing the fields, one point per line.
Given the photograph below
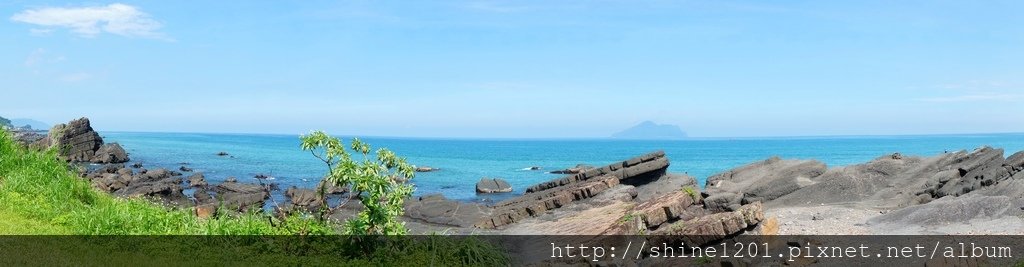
x=962 y=192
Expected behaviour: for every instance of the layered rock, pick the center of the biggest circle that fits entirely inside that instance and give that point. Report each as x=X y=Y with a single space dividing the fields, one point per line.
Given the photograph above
x=536 y=203
x=760 y=181
x=76 y=141
x=684 y=204
x=709 y=228
x=887 y=182
x=560 y=192
x=651 y=165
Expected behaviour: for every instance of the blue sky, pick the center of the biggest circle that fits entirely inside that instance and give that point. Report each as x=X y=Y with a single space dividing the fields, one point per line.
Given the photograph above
x=517 y=68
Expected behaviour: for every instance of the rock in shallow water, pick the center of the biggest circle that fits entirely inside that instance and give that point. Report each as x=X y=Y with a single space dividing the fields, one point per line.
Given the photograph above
x=496 y=185
x=426 y=169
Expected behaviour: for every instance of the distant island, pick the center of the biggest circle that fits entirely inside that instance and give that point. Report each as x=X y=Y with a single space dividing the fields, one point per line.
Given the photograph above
x=649 y=130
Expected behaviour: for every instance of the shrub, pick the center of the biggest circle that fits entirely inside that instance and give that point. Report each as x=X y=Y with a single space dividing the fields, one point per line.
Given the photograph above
x=380 y=182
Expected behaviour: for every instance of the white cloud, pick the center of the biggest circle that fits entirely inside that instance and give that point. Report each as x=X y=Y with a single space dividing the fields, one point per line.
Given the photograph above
x=972 y=98
x=120 y=19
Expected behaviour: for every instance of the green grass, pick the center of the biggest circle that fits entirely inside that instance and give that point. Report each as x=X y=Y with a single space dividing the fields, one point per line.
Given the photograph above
x=692 y=192
x=14 y=224
x=37 y=187
x=41 y=195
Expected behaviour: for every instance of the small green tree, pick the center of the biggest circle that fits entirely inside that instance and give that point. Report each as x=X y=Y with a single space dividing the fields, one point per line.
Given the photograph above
x=380 y=182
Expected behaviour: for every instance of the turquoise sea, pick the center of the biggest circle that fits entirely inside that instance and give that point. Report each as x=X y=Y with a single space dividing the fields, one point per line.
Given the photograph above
x=464 y=162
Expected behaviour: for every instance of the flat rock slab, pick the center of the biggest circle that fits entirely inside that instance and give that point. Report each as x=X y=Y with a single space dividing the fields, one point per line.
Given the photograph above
x=436 y=209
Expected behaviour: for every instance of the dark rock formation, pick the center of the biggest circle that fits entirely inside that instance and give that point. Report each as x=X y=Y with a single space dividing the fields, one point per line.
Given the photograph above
x=560 y=192
x=197 y=180
x=76 y=141
x=496 y=185
x=304 y=199
x=185 y=169
x=679 y=205
x=110 y=153
x=574 y=170
x=242 y=197
x=888 y=182
x=158 y=185
x=651 y=165
x=222 y=154
x=709 y=228
x=437 y=209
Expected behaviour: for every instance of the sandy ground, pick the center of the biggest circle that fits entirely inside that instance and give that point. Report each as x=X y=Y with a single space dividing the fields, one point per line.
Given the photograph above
x=840 y=220
x=822 y=220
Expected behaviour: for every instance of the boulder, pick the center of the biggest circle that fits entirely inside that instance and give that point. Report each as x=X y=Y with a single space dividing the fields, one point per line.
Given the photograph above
x=222 y=154
x=303 y=198
x=185 y=169
x=197 y=180
x=496 y=185
x=110 y=153
x=242 y=197
x=75 y=141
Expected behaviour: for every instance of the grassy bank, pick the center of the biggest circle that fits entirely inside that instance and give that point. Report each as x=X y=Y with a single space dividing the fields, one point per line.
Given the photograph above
x=40 y=190
x=41 y=195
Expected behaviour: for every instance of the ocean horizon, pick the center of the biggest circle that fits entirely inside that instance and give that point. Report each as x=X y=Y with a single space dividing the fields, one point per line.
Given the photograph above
x=464 y=161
